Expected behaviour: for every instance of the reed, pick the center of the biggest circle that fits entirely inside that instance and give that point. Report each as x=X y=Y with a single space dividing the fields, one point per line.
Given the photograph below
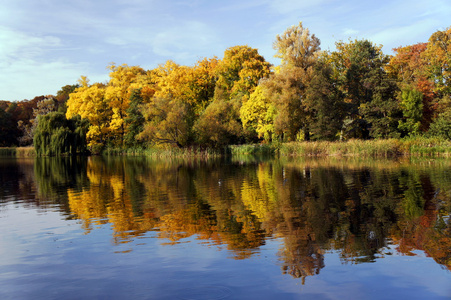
x=418 y=146
x=172 y=152
x=17 y=152
x=253 y=149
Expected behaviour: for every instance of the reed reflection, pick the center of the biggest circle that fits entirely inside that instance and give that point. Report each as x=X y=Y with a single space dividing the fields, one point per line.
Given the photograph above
x=358 y=211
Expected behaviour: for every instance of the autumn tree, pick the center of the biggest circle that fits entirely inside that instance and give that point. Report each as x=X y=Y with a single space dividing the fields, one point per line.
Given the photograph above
x=123 y=80
x=409 y=67
x=438 y=56
x=166 y=122
x=88 y=101
x=257 y=114
x=218 y=125
x=239 y=73
x=299 y=51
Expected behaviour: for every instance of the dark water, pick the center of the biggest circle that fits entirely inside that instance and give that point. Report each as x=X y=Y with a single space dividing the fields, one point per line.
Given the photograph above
x=115 y=228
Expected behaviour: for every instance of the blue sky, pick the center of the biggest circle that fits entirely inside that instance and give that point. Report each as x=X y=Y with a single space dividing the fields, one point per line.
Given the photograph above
x=46 y=44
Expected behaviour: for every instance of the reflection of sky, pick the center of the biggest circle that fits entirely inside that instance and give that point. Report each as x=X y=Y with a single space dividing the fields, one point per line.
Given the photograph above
x=43 y=256
x=392 y=277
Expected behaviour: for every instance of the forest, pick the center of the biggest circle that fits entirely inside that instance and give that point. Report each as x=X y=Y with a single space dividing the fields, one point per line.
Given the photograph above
x=353 y=92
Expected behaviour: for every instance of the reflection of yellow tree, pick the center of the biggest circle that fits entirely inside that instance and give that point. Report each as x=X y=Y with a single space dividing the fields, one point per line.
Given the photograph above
x=89 y=206
x=238 y=206
x=259 y=194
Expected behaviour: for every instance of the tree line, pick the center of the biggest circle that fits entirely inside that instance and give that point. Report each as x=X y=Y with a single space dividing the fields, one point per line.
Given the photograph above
x=353 y=92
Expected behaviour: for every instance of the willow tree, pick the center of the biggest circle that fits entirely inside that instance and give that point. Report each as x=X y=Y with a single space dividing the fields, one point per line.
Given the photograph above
x=56 y=135
x=298 y=51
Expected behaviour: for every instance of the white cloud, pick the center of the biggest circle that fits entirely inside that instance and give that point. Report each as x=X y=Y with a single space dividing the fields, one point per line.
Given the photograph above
x=350 y=32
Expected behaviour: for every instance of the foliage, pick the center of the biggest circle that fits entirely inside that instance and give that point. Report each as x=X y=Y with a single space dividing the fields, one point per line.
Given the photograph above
x=135 y=120
x=298 y=51
x=368 y=92
x=7 y=129
x=325 y=104
x=354 y=92
x=412 y=108
x=441 y=127
x=167 y=122
x=56 y=135
x=218 y=125
x=257 y=114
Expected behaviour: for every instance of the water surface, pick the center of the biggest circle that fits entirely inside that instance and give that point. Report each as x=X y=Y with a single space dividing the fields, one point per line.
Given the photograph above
x=135 y=228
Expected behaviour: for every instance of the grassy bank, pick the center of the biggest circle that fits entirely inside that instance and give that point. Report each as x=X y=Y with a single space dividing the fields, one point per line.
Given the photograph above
x=370 y=148
x=17 y=152
x=166 y=152
x=416 y=147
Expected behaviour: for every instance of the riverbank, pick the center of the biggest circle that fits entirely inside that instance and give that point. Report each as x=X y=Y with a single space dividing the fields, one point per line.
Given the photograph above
x=418 y=147
x=17 y=152
x=361 y=148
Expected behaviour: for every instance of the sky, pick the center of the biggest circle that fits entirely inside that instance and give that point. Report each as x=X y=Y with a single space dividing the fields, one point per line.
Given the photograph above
x=47 y=44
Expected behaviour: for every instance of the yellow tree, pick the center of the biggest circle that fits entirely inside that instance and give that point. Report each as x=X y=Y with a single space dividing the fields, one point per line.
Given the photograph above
x=89 y=102
x=257 y=114
x=438 y=55
x=240 y=71
x=123 y=80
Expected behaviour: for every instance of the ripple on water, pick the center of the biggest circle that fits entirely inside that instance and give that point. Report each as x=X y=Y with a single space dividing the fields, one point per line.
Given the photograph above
x=205 y=292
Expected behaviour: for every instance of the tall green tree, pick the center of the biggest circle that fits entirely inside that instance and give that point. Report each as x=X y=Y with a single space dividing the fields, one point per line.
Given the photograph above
x=325 y=104
x=299 y=51
x=368 y=92
x=135 y=120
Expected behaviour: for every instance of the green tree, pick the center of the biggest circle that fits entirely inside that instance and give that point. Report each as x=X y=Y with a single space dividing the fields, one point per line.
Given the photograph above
x=441 y=126
x=7 y=129
x=412 y=109
x=56 y=135
x=63 y=95
x=325 y=104
x=135 y=120
x=368 y=92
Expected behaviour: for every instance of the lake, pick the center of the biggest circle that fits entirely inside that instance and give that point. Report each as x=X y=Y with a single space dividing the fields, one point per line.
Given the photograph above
x=236 y=228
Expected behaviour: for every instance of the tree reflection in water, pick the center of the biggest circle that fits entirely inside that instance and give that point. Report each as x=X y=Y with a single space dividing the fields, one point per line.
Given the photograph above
x=358 y=209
